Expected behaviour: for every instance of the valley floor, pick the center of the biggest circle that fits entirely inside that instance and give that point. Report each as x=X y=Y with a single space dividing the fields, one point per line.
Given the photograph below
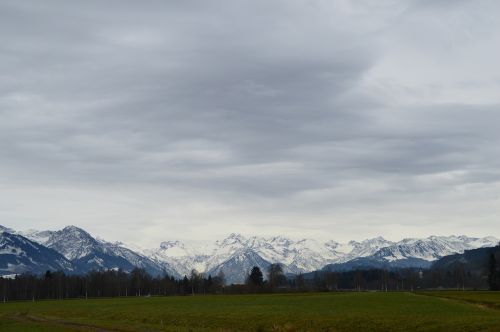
x=364 y=311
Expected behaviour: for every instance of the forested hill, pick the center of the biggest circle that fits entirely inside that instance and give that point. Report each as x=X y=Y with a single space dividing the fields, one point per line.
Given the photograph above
x=475 y=260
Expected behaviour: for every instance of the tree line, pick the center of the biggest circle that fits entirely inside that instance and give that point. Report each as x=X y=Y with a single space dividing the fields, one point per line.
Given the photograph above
x=117 y=283
x=110 y=283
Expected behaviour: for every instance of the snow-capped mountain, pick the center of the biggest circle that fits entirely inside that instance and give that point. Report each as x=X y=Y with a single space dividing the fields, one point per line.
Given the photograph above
x=224 y=255
x=36 y=236
x=88 y=253
x=236 y=267
x=19 y=255
x=365 y=248
x=179 y=257
x=6 y=229
x=433 y=247
x=72 y=242
x=236 y=254
x=296 y=256
x=413 y=252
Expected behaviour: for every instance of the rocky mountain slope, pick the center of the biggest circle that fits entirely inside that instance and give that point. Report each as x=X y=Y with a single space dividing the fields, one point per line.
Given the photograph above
x=19 y=255
x=87 y=253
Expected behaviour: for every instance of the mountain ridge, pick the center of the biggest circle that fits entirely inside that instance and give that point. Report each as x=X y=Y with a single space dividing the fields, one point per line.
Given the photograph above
x=88 y=253
x=19 y=255
x=233 y=254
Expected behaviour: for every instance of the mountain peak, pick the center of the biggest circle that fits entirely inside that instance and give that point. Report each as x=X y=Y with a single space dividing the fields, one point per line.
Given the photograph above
x=6 y=229
x=282 y=239
x=21 y=255
x=377 y=239
x=72 y=242
x=491 y=238
x=74 y=229
x=76 y=233
x=233 y=238
x=170 y=244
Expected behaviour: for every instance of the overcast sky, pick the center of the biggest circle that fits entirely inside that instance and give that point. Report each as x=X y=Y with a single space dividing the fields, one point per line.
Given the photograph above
x=146 y=121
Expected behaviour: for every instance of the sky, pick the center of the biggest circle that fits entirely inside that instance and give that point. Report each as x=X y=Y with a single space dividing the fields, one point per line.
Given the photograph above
x=160 y=120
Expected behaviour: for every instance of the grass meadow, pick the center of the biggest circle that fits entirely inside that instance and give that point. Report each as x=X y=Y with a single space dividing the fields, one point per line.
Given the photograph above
x=363 y=311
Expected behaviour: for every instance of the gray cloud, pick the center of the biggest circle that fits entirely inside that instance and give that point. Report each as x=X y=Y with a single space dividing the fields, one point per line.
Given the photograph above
x=192 y=119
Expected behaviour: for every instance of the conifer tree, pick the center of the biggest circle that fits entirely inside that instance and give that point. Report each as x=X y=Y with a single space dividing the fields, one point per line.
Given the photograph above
x=255 y=278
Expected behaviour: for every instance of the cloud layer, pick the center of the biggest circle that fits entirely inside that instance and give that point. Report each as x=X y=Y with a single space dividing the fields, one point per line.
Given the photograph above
x=192 y=119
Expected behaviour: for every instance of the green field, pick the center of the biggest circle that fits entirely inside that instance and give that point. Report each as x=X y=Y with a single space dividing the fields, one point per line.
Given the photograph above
x=431 y=311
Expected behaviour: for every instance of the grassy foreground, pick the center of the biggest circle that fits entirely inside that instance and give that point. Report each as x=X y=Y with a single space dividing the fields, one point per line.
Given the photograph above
x=436 y=311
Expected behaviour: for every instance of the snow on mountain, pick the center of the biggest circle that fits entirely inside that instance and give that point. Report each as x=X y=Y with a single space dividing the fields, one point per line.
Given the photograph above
x=309 y=255
x=36 y=236
x=19 y=255
x=234 y=253
x=177 y=256
x=484 y=242
x=433 y=247
x=224 y=255
x=137 y=260
x=72 y=242
x=296 y=256
x=236 y=268
x=364 y=248
x=88 y=253
x=228 y=255
x=6 y=229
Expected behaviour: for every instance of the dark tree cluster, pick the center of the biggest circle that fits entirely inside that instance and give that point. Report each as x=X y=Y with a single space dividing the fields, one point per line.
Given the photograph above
x=361 y=280
x=57 y=285
x=494 y=271
x=276 y=280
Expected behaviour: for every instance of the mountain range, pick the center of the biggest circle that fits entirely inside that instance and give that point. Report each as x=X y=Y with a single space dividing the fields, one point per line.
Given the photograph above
x=74 y=250
x=71 y=250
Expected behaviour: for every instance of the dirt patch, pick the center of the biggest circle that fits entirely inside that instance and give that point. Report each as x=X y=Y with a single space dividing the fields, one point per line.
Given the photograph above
x=481 y=305
x=23 y=317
